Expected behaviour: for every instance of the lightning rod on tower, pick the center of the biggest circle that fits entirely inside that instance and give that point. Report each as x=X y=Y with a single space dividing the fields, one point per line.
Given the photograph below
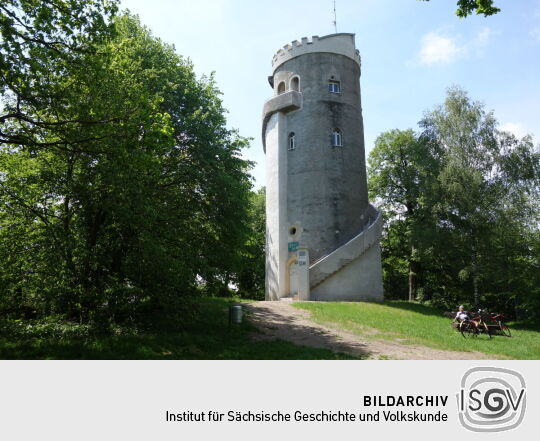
x=335 y=18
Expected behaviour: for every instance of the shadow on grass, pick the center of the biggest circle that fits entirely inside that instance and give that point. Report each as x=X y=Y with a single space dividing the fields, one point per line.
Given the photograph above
x=207 y=336
x=532 y=325
x=414 y=307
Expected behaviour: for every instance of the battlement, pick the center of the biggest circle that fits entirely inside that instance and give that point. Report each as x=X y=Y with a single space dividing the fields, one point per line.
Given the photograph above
x=342 y=44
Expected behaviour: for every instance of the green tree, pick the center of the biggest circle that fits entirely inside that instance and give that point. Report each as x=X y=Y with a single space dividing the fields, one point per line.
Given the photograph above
x=251 y=276
x=467 y=7
x=41 y=43
x=484 y=181
x=461 y=207
x=403 y=178
x=107 y=221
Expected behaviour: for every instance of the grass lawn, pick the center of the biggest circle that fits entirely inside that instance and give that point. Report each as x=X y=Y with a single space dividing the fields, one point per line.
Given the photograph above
x=207 y=337
x=412 y=323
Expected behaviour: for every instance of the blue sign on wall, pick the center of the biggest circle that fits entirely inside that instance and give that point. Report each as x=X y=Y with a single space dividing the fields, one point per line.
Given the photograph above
x=293 y=246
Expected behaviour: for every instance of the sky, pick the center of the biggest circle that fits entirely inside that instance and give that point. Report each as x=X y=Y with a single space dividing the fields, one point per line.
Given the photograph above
x=411 y=51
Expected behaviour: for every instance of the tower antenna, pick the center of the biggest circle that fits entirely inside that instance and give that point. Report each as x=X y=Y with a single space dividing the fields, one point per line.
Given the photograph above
x=335 y=18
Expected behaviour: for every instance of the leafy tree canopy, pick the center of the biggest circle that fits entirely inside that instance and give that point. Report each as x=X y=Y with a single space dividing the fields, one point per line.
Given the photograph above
x=122 y=191
x=461 y=206
x=468 y=7
x=42 y=42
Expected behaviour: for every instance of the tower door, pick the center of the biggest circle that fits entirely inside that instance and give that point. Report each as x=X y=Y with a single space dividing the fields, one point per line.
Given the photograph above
x=293 y=278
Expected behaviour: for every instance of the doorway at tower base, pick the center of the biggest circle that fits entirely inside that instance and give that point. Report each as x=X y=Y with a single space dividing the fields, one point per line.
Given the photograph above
x=298 y=275
x=360 y=280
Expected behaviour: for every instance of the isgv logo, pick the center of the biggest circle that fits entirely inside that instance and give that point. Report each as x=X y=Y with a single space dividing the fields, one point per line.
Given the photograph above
x=491 y=399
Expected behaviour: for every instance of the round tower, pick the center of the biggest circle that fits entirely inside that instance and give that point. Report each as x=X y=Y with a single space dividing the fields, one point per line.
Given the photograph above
x=322 y=233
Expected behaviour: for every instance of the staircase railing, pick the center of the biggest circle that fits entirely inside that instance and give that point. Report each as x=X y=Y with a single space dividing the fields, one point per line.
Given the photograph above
x=326 y=266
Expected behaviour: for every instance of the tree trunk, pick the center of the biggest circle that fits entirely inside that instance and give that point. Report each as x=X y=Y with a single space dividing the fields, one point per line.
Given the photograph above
x=475 y=281
x=414 y=270
x=414 y=265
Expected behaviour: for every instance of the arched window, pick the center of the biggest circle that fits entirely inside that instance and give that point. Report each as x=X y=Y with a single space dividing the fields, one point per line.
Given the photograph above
x=292 y=141
x=281 y=88
x=336 y=138
x=295 y=84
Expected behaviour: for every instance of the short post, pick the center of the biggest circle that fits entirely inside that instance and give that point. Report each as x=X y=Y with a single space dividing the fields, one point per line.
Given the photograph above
x=235 y=314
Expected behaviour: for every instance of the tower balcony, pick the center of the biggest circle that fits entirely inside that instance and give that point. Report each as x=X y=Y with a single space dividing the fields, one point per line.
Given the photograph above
x=285 y=102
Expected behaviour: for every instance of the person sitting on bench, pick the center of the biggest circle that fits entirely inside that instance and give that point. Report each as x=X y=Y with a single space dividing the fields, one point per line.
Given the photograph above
x=461 y=315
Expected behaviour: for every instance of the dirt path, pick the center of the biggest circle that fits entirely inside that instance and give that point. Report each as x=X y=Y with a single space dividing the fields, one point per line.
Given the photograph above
x=280 y=320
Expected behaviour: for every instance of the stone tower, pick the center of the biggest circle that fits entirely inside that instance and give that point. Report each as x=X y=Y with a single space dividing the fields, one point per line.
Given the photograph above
x=322 y=234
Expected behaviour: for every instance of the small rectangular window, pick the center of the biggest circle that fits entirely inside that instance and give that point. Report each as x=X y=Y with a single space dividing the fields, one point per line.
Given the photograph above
x=334 y=86
x=336 y=138
x=292 y=142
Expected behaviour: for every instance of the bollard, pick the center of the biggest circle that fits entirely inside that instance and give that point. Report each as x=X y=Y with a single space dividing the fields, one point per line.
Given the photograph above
x=235 y=314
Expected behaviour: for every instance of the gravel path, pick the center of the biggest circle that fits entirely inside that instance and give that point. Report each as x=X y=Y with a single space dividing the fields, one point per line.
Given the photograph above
x=280 y=320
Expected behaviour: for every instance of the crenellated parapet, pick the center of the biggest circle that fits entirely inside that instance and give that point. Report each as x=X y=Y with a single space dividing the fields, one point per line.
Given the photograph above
x=342 y=44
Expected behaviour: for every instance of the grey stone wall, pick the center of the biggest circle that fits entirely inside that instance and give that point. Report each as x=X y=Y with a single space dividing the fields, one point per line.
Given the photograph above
x=326 y=188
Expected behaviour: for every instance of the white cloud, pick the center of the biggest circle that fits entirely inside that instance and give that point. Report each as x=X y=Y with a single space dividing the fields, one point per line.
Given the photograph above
x=437 y=47
x=518 y=129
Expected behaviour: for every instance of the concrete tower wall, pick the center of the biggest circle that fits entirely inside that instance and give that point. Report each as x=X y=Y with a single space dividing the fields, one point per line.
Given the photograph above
x=326 y=188
x=317 y=198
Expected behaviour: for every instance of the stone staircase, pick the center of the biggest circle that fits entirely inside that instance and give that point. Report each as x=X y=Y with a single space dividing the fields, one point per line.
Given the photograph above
x=326 y=266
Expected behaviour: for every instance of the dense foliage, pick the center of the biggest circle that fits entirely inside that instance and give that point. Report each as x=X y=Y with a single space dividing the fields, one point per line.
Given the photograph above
x=467 y=7
x=41 y=43
x=209 y=338
x=461 y=202
x=250 y=279
x=122 y=192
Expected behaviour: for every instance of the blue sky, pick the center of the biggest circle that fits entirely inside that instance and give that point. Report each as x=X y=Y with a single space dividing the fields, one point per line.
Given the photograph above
x=411 y=53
